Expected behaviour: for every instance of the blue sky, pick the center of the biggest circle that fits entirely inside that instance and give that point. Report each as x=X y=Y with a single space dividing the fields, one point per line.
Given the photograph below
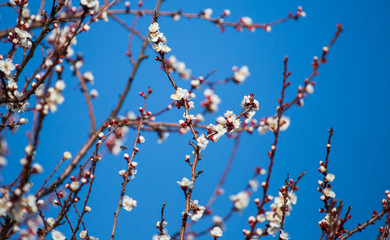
x=351 y=97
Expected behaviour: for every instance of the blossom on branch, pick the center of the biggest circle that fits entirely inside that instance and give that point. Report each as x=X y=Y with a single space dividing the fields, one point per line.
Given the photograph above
x=157 y=39
x=128 y=203
x=180 y=94
x=216 y=232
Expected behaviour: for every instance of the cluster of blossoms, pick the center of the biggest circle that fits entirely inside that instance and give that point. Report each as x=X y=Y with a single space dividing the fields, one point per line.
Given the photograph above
x=164 y=235
x=182 y=96
x=247 y=22
x=133 y=167
x=229 y=123
x=52 y=98
x=18 y=206
x=6 y=68
x=59 y=37
x=271 y=123
x=212 y=100
x=84 y=235
x=302 y=91
x=128 y=203
x=175 y=65
x=57 y=235
x=21 y=37
x=240 y=75
x=252 y=104
x=196 y=210
x=240 y=200
x=274 y=217
x=90 y=4
x=115 y=141
x=324 y=186
x=202 y=141
x=158 y=39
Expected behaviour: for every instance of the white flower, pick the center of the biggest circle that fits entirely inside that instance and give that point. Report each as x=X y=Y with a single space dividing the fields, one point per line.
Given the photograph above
x=90 y=3
x=185 y=183
x=50 y=221
x=94 y=93
x=57 y=235
x=37 y=167
x=104 y=16
x=3 y=162
x=67 y=155
x=141 y=139
x=180 y=94
x=329 y=177
x=283 y=235
x=154 y=27
x=7 y=66
x=284 y=123
x=219 y=129
x=260 y=218
x=122 y=172
x=207 y=12
x=87 y=209
x=166 y=49
x=88 y=76
x=246 y=21
x=83 y=234
x=254 y=184
x=128 y=203
x=309 y=88
x=74 y=186
x=329 y=193
x=241 y=200
x=273 y=229
x=164 y=224
x=216 y=232
x=241 y=74
x=60 y=85
x=202 y=142
x=162 y=237
x=217 y=220
x=198 y=213
x=24 y=37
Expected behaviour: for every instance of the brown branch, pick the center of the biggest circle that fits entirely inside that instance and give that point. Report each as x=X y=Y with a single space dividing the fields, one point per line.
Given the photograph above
x=129 y=166
x=367 y=223
x=87 y=98
x=225 y=172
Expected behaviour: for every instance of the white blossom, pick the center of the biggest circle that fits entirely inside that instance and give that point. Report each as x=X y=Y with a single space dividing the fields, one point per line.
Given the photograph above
x=329 y=193
x=246 y=20
x=67 y=155
x=330 y=177
x=240 y=74
x=93 y=4
x=7 y=66
x=74 y=186
x=180 y=94
x=83 y=234
x=216 y=232
x=202 y=142
x=185 y=183
x=57 y=235
x=128 y=203
x=240 y=200
x=207 y=12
